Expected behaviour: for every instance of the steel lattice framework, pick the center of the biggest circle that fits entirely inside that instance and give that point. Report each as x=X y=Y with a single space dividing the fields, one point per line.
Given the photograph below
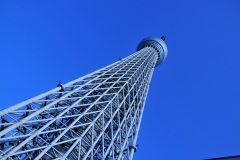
x=94 y=117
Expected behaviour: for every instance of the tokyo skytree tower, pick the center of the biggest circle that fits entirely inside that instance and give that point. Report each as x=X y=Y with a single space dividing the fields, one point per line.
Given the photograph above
x=95 y=117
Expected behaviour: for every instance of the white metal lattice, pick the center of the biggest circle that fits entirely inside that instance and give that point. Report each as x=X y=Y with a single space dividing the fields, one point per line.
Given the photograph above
x=91 y=118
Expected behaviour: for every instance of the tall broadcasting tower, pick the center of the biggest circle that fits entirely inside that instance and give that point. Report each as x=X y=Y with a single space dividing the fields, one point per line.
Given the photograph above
x=95 y=117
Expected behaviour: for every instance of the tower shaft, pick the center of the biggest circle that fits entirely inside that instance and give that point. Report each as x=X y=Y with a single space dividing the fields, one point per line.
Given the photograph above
x=94 y=117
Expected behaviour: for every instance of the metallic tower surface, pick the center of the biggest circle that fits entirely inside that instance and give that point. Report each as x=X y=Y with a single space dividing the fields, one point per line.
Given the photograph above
x=94 y=117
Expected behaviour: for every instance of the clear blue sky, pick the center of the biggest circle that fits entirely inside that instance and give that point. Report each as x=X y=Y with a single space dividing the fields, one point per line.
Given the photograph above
x=193 y=106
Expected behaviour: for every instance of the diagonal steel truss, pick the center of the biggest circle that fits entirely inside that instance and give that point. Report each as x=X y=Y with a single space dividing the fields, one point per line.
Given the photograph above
x=94 y=117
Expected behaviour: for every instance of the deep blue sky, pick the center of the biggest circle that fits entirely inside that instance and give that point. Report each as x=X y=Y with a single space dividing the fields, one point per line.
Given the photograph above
x=193 y=106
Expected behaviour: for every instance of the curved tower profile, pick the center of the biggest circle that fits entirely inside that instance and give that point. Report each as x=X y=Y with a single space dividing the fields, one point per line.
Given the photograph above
x=95 y=117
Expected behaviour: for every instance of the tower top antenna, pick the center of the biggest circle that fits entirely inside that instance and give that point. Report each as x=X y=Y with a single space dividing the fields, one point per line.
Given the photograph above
x=163 y=38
